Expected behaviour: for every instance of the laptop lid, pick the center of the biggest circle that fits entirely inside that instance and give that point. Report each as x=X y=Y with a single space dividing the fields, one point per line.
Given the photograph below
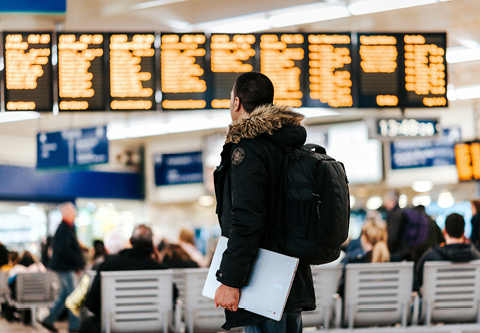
x=269 y=282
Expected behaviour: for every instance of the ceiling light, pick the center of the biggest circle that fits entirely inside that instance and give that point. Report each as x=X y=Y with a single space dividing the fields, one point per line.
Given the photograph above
x=403 y=201
x=375 y=6
x=462 y=93
x=303 y=15
x=9 y=116
x=206 y=200
x=153 y=3
x=462 y=54
x=422 y=186
x=238 y=24
x=353 y=201
x=421 y=200
x=445 y=200
x=374 y=203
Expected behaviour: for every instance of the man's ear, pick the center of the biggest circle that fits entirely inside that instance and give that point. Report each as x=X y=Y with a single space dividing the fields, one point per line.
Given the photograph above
x=236 y=104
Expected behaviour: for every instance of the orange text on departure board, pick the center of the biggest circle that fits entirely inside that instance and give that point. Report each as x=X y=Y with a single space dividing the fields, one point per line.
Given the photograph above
x=126 y=74
x=180 y=71
x=467 y=157
x=425 y=70
x=229 y=53
x=330 y=82
x=74 y=60
x=277 y=61
x=378 y=54
x=23 y=65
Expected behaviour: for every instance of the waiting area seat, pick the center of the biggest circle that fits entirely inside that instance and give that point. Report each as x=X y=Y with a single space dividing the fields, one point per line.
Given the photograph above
x=137 y=301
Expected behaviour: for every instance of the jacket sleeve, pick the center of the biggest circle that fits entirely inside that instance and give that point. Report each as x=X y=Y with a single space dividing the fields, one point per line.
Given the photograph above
x=249 y=179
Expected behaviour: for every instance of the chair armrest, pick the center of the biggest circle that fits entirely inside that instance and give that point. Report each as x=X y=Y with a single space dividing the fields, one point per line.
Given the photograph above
x=415 y=299
x=178 y=315
x=338 y=310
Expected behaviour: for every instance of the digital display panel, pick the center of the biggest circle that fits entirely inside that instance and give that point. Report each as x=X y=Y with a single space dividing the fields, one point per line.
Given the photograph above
x=425 y=69
x=183 y=79
x=330 y=70
x=467 y=159
x=132 y=71
x=282 y=59
x=230 y=56
x=81 y=72
x=28 y=71
x=379 y=78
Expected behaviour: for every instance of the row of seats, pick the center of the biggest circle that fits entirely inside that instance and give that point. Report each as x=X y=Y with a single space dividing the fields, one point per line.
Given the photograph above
x=376 y=295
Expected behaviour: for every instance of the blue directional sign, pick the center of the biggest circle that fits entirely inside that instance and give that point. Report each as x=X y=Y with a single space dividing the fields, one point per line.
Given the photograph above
x=184 y=168
x=421 y=153
x=29 y=6
x=73 y=147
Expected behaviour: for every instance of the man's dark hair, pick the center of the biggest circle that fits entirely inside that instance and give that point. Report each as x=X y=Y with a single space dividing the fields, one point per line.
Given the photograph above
x=142 y=238
x=253 y=89
x=455 y=225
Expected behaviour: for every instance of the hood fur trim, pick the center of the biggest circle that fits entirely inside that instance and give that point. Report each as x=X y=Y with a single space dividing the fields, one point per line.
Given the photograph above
x=264 y=119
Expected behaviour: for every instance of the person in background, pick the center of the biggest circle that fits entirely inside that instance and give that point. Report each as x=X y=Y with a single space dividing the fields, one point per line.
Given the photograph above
x=139 y=257
x=187 y=242
x=3 y=254
x=396 y=223
x=46 y=251
x=475 y=236
x=98 y=252
x=174 y=256
x=12 y=261
x=434 y=237
x=354 y=247
x=373 y=240
x=455 y=249
x=67 y=259
x=27 y=263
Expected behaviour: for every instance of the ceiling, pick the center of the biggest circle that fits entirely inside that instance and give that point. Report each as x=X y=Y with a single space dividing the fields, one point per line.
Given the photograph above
x=459 y=18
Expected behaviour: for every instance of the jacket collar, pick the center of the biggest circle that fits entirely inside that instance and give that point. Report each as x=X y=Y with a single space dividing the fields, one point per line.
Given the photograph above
x=264 y=119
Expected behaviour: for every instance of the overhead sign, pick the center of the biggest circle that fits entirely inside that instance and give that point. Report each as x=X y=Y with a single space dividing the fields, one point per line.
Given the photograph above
x=29 y=6
x=183 y=168
x=425 y=152
x=73 y=147
x=468 y=160
x=396 y=128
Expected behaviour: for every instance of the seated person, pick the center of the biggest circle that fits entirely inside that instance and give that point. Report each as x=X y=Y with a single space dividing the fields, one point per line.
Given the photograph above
x=455 y=248
x=373 y=240
x=186 y=240
x=143 y=255
x=176 y=257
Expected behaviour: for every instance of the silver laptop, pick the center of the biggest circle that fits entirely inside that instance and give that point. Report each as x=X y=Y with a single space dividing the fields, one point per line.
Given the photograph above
x=268 y=285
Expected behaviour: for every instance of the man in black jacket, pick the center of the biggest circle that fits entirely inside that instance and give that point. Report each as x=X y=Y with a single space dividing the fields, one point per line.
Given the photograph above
x=250 y=200
x=141 y=256
x=66 y=259
x=455 y=249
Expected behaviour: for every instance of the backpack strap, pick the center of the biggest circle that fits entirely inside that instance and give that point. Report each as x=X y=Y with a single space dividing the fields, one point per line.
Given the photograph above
x=316 y=148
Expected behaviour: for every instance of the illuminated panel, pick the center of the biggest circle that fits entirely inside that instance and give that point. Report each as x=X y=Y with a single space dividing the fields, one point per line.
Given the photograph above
x=281 y=59
x=132 y=69
x=467 y=157
x=425 y=70
x=80 y=72
x=330 y=70
x=183 y=71
x=231 y=55
x=28 y=71
x=379 y=77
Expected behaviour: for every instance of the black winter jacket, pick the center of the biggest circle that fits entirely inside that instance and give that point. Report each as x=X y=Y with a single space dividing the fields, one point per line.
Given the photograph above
x=250 y=203
x=66 y=255
x=452 y=252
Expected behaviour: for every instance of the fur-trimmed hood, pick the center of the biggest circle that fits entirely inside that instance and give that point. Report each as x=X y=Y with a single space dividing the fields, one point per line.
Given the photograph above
x=265 y=119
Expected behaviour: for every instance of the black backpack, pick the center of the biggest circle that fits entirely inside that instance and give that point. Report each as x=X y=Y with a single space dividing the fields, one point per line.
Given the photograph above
x=317 y=205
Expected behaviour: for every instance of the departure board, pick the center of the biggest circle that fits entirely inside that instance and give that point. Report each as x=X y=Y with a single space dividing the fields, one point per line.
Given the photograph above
x=132 y=71
x=81 y=71
x=28 y=71
x=330 y=70
x=282 y=58
x=380 y=75
x=467 y=157
x=183 y=79
x=425 y=69
x=230 y=56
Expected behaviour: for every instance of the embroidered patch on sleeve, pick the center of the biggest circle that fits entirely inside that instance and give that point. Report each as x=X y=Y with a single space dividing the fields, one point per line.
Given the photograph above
x=237 y=156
